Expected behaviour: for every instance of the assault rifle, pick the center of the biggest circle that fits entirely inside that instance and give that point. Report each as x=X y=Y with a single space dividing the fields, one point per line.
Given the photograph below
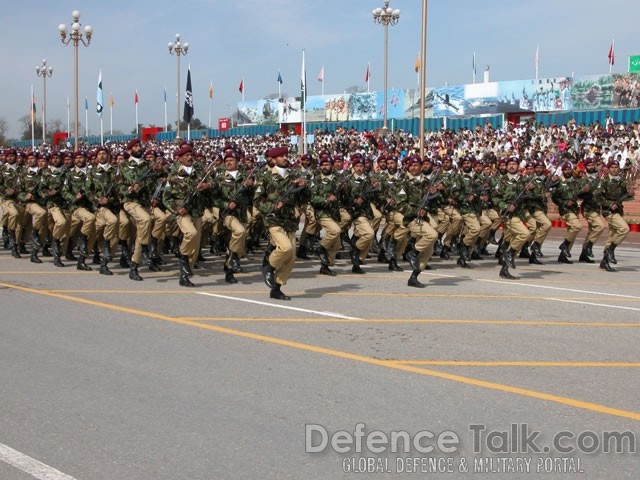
x=190 y=198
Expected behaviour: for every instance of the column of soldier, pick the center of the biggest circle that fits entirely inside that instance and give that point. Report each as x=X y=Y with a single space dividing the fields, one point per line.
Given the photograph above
x=94 y=204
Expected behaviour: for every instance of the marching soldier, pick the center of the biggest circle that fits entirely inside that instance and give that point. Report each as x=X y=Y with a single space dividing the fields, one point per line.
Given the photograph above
x=75 y=192
x=536 y=205
x=102 y=181
x=13 y=211
x=33 y=203
x=181 y=197
x=325 y=204
x=234 y=196
x=277 y=196
x=53 y=180
x=613 y=192
x=590 y=207
x=565 y=196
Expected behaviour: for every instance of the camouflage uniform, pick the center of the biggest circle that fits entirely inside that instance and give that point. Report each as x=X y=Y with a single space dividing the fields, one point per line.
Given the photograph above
x=102 y=181
x=565 y=196
x=13 y=211
x=53 y=180
x=611 y=195
x=33 y=203
x=76 y=192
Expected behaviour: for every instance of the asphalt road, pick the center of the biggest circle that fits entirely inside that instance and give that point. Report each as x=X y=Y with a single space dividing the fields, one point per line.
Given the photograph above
x=105 y=378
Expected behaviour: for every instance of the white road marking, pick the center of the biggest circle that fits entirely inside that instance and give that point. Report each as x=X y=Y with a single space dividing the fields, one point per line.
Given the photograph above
x=518 y=284
x=30 y=465
x=593 y=304
x=266 y=304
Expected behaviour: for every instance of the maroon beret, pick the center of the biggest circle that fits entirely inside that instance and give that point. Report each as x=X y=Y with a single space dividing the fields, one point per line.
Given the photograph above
x=132 y=142
x=184 y=149
x=613 y=163
x=277 y=152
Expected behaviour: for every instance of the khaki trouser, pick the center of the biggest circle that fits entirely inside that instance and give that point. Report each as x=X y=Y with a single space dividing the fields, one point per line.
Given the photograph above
x=310 y=221
x=142 y=222
x=573 y=227
x=160 y=218
x=38 y=216
x=595 y=224
x=426 y=237
x=13 y=214
x=472 y=229
x=238 y=235
x=455 y=224
x=539 y=226
x=400 y=232
x=618 y=230
x=377 y=217
x=331 y=239
x=106 y=224
x=59 y=223
x=124 y=226
x=440 y=221
x=283 y=257
x=83 y=219
x=191 y=230
x=515 y=233
x=364 y=233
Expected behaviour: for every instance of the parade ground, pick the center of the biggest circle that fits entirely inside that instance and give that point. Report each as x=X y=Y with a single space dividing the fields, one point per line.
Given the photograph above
x=105 y=378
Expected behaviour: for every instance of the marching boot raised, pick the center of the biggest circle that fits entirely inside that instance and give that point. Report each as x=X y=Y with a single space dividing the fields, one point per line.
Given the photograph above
x=584 y=255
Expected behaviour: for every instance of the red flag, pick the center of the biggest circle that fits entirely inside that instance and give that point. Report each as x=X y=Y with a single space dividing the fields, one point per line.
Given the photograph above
x=367 y=75
x=135 y=98
x=241 y=86
x=612 y=57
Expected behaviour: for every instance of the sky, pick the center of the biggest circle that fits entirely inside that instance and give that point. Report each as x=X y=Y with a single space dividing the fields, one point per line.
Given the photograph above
x=253 y=40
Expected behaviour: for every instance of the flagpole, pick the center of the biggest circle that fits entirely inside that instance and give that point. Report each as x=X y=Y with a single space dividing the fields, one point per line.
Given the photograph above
x=137 y=100
x=474 y=67
x=210 y=101
x=165 y=109
x=68 y=118
x=111 y=114
x=86 y=119
x=243 y=88
x=303 y=102
x=33 y=120
x=101 y=131
x=368 y=76
x=537 y=61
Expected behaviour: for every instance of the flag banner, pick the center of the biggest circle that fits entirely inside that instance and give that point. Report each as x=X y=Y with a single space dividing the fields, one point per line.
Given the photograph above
x=210 y=89
x=367 y=74
x=99 y=99
x=86 y=103
x=321 y=75
x=188 y=100
x=634 y=64
x=241 y=86
x=112 y=102
x=416 y=67
x=165 y=94
x=135 y=98
x=612 y=56
x=279 y=78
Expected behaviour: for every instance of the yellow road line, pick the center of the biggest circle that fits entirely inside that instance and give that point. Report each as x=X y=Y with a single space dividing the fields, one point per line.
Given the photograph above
x=413 y=320
x=593 y=407
x=462 y=363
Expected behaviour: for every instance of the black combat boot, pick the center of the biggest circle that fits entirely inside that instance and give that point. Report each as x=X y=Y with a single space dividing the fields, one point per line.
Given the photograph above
x=355 y=257
x=504 y=272
x=444 y=253
x=184 y=272
x=412 y=258
x=5 y=237
x=301 y=252
x=278 y=294
x=390 y=249
x=146 y=258
x=590 y=249
x=96 y=255
x=584 y=255
x=565 y=247
x=22 y=248
x=105 y=258
x=154 y=253
x=69 y=253
x=234 y=261
x=475 y=252
x=537 y=249
x=82 y=250
x=464 y=253
x=612 y=254
x=13 y=245
x=57 y=252
x=524 y=252
x=323 y=255
x=413 y=280
x=229 y=277
x=269 y=274
x=533 y=258
x=35 y=246
x=133 y=272
x=125 y=253
x=326 y=270
x=605 y=264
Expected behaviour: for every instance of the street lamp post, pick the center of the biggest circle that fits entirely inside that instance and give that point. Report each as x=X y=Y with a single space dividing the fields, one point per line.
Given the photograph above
x=385 y=16
x=178 y=49
x=75 y=38
x=44 y=71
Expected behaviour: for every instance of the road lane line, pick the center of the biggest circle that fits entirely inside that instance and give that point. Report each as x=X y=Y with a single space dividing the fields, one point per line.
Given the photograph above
x=463 y=363
x=593 y=304
x=589 y=292
x=285 y=307
x=29 y=465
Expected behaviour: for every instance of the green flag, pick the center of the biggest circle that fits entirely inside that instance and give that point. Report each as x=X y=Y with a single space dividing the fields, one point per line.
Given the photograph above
x=634 y=64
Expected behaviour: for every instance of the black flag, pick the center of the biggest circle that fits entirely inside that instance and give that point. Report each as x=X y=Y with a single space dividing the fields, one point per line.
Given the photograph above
x=188 y=100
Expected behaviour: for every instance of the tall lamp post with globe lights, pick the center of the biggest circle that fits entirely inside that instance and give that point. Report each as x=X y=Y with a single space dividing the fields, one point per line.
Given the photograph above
x=385 y=16
x=44 y=71
x=178 y=48
x=76 y=37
